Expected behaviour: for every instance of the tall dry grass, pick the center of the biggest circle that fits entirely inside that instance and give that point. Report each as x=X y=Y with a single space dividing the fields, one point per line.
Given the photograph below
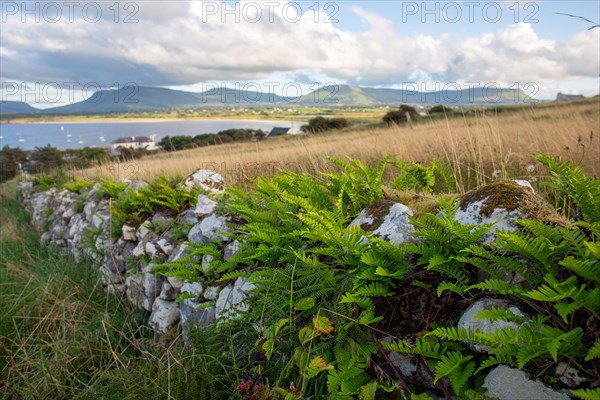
x=476 y=147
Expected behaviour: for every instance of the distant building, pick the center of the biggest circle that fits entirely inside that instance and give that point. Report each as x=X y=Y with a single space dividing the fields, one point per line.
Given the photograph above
x=135 y=143
x=568 y=97
x=278 y=132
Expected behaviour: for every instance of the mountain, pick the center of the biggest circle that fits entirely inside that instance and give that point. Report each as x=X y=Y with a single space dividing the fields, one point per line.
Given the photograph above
x=142 y=98
x=130 y=98
x=345 y=95
x=16 y=107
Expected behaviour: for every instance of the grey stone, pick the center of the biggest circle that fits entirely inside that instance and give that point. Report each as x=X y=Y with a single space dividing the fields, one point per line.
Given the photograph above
x=205 y=179
x=45 y=238
x=154 y=251
x=166 y=246
x=207 y=259
x=129 y=233
x=161 y=222
x=524 y=183
x=193 y=288
x=174 y=282
x=188 y=217
x=192 y=316
x=168 y=292
x=232 y=299
x=409 y=366
x=501 y=203
x=213 y=227
x=469 y=322
x=135 y=290
x=569 y=376
x=211 y=292
x=205 y=205
x=109 y=277
x=144 y=229
x=116 y=289
x=152 y=284
x=113 y=260
x=195 y=234
x=506 y=383
x=178 y=252
x=135 y=185
x=165 y=314
x=89 y=208
x=231 y=250
x=387 y=220
x=139 y=250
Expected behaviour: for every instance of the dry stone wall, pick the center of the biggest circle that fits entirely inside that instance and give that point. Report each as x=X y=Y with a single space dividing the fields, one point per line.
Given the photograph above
x=81 y=223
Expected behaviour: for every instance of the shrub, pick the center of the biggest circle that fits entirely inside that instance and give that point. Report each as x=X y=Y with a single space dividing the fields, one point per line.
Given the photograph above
x=440 y=109
x=320 y=124
x=400 y=115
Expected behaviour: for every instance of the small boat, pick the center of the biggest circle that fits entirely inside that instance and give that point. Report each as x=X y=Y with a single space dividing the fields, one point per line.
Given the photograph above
x=1 y=137
x=80 y=140
x=102 y=138
x=68 y=134
x=62 y=128
x=21 y=140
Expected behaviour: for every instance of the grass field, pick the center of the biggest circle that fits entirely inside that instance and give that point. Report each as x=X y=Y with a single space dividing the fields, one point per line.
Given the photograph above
x=477 y=147
x=63 y=337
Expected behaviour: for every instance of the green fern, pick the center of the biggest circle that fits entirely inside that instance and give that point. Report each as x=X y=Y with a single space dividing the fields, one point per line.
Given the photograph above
x=587 y=394
x=594 y=352
x=571 y=180
x=457 y=367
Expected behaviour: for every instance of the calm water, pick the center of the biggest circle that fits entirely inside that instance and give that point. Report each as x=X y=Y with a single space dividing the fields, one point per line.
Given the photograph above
x=76 y=135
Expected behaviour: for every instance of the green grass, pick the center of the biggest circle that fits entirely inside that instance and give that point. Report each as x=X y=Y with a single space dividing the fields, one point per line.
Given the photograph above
x=63 y=337
x=58 y=328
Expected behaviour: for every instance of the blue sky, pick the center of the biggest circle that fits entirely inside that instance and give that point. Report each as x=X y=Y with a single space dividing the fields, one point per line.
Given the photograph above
x=52 y=55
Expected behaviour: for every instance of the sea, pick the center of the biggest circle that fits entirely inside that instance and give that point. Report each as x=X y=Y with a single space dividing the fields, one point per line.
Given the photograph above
x=71 y=135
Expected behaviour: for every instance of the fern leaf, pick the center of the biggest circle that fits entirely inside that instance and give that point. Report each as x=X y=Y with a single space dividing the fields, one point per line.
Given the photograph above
x=587 y=394
x=456 y=367
x=594 y=352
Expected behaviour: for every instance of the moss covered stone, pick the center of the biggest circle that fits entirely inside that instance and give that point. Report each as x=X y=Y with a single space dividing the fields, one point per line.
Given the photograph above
x=511 y=196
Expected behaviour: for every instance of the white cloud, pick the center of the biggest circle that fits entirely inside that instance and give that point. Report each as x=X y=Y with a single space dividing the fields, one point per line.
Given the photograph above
x=189 y=43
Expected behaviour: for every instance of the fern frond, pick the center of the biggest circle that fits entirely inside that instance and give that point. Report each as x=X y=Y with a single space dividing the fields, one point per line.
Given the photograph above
x=500 y=286
x=495 y=360
x=594 y=352
x=421 y=347
x=587 y=394
x=457 y=367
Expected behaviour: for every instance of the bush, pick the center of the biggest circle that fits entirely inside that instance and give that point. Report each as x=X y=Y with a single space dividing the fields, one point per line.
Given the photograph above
x=440 y=109
x=399 y=116
x=320 y=124
x=10 y=159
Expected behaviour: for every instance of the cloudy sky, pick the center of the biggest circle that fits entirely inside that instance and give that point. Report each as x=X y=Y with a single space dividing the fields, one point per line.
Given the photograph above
x=56 y=52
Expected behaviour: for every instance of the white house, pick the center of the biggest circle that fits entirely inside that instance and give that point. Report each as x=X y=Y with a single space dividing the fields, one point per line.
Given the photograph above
x=135 y=143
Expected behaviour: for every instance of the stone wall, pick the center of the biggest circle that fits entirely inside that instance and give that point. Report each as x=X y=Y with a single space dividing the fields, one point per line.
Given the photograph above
x=126 y=263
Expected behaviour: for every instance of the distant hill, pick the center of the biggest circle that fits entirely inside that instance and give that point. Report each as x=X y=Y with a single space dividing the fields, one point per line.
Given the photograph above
x=16 y=107
x=346 y=95
x=142 y=98
x=130 y=98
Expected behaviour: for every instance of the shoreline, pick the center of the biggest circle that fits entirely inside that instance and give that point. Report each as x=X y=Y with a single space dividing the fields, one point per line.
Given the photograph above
x=137 y=120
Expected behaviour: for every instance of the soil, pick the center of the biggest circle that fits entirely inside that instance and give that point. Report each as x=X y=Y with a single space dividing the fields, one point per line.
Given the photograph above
x=414 y=309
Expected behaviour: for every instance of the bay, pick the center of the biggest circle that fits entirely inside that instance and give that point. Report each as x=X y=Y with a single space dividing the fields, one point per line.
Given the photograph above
x=70 y=135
